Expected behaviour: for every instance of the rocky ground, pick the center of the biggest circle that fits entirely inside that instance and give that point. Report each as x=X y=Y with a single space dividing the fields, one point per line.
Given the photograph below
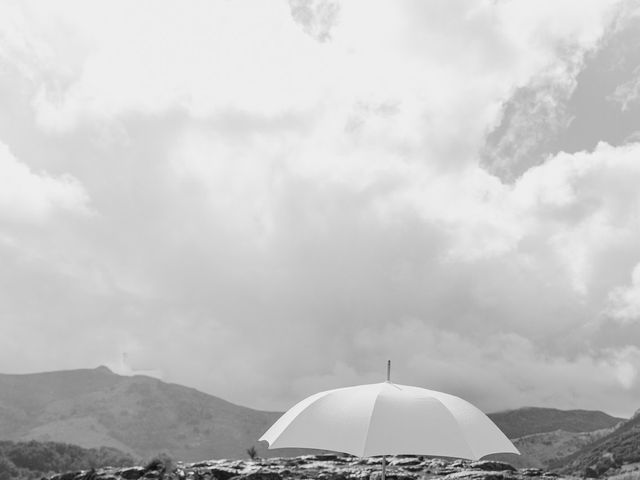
x=320 y=467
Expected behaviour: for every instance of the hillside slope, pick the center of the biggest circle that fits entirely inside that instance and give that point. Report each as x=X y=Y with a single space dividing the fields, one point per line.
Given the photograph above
x=622 y=446
x=143 y=416
x=544 y=448
x=531 y=420
x=139 y=415
x=542 y=435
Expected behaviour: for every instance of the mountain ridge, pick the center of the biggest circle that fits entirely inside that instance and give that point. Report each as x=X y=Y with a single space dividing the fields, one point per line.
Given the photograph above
x=518 y=423
x=138 y=414
x=144 y=416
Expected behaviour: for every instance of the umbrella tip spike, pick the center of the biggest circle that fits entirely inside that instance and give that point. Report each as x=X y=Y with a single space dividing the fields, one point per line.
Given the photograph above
x=388 y=370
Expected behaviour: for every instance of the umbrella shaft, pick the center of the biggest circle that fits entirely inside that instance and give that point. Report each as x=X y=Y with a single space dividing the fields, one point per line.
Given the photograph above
x=384 y=467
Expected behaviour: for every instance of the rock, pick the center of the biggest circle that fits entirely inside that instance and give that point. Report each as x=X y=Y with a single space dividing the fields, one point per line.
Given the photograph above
x=405 y=462
x=89 y=475
x=220 y=474
x=400 y=477
x=378 y=476
x=590 y=472
x=415 y=468
x=479 y=475
x=332 y=467
x=531 y=472
x=446 y=471
x=236 y=464
x=259 y=476
x=327 y=457
x=465 y=475
x=492 y=466
x=360 y=474
x=437 y=464
x=331 y=476
x=132 y=473
x=70 y=475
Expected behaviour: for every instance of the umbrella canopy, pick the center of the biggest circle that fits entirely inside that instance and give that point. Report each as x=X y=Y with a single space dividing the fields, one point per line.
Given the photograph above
x=387 y=419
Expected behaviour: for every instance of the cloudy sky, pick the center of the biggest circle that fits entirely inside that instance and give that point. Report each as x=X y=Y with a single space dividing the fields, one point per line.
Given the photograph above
x=266 y=199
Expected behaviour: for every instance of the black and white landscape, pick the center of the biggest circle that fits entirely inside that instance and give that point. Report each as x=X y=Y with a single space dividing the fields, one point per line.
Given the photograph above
x=142 y=416
x=258 y=200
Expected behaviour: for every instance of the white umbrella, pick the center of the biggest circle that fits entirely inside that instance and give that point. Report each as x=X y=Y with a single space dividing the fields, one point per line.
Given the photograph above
x=388 y=419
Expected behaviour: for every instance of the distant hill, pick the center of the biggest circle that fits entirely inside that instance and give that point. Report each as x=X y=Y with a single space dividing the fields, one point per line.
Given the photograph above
x=143 y=416
x=138 y=415
x=621 y=446
x=532 y=420
x=545 y=434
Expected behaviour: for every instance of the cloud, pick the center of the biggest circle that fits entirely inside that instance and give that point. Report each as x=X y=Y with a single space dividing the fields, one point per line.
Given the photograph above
x=275 y=68
x=509 y=362
x=532 y=118
x=26 y=196
x=146 y=68
x=628 y=93
x=625 y=301
x=587 y=203
x=348 y=274
x=276 y=214
x=568 y=107
x=316 y=18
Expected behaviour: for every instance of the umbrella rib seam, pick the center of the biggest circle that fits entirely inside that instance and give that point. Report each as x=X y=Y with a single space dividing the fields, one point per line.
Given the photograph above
x=462 y=433
x=366 y=437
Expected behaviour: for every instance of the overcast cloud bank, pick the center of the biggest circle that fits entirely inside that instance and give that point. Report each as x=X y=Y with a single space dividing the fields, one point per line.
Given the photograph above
x=263 y=201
